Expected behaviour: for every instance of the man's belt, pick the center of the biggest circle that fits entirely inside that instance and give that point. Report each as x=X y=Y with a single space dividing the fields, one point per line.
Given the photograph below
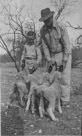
x=56 y=52
x=29 y=58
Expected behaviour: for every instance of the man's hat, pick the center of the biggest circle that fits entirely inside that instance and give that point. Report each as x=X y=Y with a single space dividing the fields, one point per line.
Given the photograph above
x=45 y=14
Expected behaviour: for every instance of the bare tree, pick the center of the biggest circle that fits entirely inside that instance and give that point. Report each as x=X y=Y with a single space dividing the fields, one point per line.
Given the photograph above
x=78 y=27
x=64 y=7
x=18 y=25
x=77 y=50
x=14 y=22
x=77 y=57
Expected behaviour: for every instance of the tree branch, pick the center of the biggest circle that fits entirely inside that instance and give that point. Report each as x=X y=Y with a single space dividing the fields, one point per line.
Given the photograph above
x=76 y=28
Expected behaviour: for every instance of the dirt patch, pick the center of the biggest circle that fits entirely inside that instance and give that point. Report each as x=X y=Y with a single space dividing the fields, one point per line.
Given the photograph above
x=11 y=122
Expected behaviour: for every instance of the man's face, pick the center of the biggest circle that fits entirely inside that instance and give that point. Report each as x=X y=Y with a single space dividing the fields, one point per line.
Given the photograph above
x=30 y=40
x=49 y=22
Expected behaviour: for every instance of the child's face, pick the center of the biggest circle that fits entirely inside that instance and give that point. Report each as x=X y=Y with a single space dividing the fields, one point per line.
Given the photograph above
x=30 y=40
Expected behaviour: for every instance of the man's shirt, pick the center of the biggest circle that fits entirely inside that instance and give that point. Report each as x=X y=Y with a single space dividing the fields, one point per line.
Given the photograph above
x=55 y=40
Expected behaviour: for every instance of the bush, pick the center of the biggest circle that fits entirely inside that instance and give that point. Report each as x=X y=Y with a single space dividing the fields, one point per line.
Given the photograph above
x=76 y=57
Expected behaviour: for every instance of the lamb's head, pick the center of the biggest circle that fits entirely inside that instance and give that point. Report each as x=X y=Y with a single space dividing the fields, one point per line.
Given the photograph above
x=57 y=76
x=22 y=75
x=19 y=94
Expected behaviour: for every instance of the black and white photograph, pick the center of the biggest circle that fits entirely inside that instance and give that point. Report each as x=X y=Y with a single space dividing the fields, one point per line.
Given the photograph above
x=41 y=67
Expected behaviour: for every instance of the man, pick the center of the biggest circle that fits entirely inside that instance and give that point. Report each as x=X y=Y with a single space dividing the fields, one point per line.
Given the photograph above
x=31 y=54
x=56 y=46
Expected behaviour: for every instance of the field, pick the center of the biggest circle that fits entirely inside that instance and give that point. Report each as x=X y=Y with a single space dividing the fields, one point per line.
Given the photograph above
x=13 y=123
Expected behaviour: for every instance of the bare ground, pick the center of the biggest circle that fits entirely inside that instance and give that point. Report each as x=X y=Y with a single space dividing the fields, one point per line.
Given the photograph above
x=15 y=122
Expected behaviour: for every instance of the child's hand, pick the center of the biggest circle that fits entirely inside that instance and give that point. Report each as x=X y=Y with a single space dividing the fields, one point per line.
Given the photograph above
x=64 y=64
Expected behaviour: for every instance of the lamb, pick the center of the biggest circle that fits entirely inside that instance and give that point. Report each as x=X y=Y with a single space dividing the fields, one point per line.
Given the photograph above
x=49 y=92
x=20 y=89
x=35 y=80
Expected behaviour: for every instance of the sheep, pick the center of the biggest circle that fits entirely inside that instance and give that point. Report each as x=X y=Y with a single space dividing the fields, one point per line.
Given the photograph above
x=20 y=89
x=50 y=92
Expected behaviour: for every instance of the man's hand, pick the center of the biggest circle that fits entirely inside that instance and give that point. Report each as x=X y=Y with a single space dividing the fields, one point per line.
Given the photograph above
x=51 y=63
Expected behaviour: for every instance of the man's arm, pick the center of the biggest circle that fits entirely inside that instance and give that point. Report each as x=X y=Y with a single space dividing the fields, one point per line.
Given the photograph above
x=44 y=46
x=23 y=59
x=65 y=42
x=39 y=55
x=23 y=55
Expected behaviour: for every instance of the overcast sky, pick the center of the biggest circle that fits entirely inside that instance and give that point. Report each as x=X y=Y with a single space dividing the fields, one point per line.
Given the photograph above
x=37 y=5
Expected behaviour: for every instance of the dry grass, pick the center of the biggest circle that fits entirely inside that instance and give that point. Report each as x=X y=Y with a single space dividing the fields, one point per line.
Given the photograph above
x=12 y=123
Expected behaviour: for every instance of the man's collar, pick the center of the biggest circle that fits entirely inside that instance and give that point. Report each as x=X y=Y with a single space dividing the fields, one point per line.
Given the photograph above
x=55 y=24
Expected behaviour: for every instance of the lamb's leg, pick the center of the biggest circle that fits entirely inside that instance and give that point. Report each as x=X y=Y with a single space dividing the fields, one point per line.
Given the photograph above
x=50 y=110
x=51 y=114
x=29 y=99
x=33 y=104
x=12 y=96
x=28 y=102
x=59 y=106
x=41 y=106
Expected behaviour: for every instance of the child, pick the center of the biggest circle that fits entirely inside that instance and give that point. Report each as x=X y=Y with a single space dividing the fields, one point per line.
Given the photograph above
x=31 y=54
